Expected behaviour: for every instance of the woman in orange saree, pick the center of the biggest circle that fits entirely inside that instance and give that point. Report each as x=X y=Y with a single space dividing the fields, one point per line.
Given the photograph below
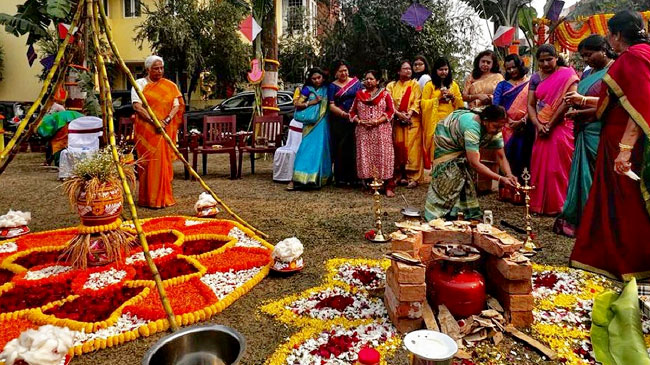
x=166 y=101
x=550 y=162
x=614 y=231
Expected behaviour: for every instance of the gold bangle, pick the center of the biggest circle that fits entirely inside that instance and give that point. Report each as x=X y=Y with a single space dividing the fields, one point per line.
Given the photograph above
x=625 y=147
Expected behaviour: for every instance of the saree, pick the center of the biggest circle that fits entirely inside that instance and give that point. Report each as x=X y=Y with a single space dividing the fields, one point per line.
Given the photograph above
x=155 y=155
x=342 y=131
x=433 y=111
x=452 y=189
x=375 y=156
x=587 y=135
x=550 y=161
x=485 y=85
x=55 y=128
x=612 y=238
x=518 y=143
x=407 y=139
x=313 y=164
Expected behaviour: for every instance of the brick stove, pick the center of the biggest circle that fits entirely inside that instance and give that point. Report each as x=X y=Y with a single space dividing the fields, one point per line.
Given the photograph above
x=508 y=277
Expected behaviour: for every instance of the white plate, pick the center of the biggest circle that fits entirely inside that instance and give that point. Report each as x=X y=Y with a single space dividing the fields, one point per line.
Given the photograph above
x=430 y=345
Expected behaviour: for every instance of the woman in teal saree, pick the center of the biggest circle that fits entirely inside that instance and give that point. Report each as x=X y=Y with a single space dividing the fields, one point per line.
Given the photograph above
x=598 y=55
x=313 y=165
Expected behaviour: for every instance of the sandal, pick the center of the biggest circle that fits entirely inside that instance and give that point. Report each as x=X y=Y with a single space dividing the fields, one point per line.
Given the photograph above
x=290 y=187
x=412 y=184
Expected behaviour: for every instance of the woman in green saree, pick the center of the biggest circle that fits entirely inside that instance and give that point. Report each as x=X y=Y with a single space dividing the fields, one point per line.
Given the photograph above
x=598 y=55
x=457 y=161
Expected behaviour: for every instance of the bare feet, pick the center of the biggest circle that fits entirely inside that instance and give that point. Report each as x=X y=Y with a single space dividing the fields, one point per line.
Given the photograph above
x=412 y=184
x=390 y=193
x=290 y=187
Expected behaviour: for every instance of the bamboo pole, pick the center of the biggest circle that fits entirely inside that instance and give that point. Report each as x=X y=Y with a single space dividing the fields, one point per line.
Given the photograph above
x=161 y=130
x=103 y=79
x=11 y=146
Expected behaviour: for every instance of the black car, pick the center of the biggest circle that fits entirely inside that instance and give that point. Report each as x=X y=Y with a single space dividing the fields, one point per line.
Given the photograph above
x=241 y=105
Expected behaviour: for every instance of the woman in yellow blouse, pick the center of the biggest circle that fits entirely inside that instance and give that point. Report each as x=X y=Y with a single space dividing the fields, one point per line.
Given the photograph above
x=440 y=97
x=407 y=131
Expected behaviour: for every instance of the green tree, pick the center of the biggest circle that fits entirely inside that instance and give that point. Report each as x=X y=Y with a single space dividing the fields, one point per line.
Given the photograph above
x=370 y=34
x=34 y=17
x=196 y=36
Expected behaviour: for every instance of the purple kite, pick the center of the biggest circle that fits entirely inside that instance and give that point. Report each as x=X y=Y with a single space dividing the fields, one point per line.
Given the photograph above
x=416 y=15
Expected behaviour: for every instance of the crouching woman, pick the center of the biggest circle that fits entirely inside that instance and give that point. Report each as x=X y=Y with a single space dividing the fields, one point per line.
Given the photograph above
x=458 y=139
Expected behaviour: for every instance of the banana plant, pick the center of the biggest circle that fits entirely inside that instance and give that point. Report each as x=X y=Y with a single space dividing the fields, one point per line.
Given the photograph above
x=33 y=17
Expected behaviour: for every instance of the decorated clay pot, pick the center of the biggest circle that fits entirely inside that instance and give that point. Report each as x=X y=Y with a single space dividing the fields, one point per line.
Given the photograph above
x=105 y=207
x=97 y=255
x=12 y=232
x=207 y=212
x=283 y=266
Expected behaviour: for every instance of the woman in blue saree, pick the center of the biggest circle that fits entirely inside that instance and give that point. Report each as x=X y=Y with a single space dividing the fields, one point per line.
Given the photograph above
x=313 y=165
x=518 y=133
x=598 y=55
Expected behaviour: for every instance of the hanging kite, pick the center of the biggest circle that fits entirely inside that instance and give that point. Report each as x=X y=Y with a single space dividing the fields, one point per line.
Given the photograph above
x=503 y=36
x=416 y=15
x=250 y=28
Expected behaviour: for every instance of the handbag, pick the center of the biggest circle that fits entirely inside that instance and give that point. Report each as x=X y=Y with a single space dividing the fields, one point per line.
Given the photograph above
x=309 y=115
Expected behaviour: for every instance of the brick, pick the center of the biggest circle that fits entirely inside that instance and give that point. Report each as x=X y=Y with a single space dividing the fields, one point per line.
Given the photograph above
x=512 y=270
x=426 y=254
x=515 y=302
x=494 y=246
x=406 y=292
x=509 y=286
x=449 y=236
x=411 y=310
x=408 y=274
x=521 y=319
x=411 y=244
x=405 y=325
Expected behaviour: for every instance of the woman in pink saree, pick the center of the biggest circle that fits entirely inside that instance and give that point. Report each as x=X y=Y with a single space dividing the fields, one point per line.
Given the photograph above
x=553 y=148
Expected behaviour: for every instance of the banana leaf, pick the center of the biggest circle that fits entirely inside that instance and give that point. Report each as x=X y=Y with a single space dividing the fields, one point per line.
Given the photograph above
x=616 y=333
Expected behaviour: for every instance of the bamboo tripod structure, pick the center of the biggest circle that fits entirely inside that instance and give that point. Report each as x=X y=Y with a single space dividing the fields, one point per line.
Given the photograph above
x=96 y=21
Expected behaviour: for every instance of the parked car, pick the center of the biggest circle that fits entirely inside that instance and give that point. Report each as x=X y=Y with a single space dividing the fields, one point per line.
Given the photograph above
x=241 y=105
x=122 y=106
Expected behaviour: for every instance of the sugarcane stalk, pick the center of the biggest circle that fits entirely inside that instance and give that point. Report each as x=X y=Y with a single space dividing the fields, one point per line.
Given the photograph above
x=46 y=84
x=102 y=75
x=161 y=130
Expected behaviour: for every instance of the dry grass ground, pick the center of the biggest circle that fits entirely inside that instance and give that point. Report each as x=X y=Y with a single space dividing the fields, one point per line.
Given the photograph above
x=330 y=223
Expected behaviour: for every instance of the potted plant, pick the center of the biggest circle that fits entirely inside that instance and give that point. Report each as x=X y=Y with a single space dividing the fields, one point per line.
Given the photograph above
x=95 y=193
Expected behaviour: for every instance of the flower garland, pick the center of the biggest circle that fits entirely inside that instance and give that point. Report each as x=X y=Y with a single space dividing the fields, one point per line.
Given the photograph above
x=83 y=229
x=111 y=305
x=336 y=319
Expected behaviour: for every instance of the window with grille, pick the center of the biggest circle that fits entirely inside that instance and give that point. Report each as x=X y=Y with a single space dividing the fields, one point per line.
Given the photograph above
x=295 y=15
x=132 y=8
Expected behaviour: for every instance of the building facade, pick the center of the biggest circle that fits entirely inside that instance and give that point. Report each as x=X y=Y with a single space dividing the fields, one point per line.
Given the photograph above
x=21 y=82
